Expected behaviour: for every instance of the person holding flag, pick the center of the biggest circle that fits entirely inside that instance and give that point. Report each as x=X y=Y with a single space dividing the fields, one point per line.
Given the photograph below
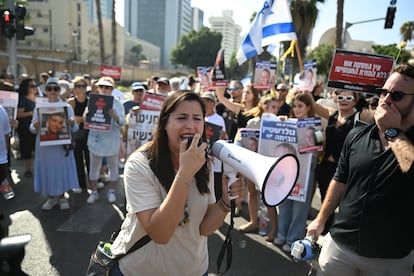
x=273 y=24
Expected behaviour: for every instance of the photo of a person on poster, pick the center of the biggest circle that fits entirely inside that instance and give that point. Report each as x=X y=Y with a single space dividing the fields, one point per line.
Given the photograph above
x=55 y=125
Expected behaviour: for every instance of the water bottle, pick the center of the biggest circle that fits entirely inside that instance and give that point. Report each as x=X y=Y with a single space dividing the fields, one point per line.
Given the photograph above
x=6 y=189
x=263 y=221
x=107 y=249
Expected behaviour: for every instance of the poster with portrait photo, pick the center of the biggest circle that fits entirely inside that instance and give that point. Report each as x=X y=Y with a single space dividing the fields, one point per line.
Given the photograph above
x=250 y=138
x=53 y=123
x=98 y=117
x=278 y=138
x=310 y=136
x=9 y=101
x=204 y=76
x=264 y=74
x=306 y=79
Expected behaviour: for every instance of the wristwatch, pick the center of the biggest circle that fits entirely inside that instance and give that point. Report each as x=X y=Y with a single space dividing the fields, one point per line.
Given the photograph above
x=391 y=133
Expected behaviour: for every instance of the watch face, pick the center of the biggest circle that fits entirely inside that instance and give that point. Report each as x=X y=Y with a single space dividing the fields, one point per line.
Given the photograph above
x=391 y=133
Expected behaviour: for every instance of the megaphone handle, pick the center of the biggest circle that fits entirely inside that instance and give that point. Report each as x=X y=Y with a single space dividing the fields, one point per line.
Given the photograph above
x=232 y=178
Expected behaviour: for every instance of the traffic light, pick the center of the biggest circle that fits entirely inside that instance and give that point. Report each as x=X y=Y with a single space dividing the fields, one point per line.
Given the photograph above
x=389 y=18
x=21 y=30
x=7 y=23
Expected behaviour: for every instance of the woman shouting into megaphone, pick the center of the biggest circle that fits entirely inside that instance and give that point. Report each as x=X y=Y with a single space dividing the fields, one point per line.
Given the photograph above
x=169 y=189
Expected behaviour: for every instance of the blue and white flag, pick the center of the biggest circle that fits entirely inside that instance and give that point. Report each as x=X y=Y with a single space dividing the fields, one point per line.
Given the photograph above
x=273 y=23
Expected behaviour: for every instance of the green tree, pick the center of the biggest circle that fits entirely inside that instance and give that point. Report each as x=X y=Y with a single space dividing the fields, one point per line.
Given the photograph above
x=339 y=23
x=197 y=48
x=136 y=52
x=392 y=50
x=304 y=15
x=323 y=55
x=236 y=71
x=407 y=30
x=113 y=34
x=100 y=29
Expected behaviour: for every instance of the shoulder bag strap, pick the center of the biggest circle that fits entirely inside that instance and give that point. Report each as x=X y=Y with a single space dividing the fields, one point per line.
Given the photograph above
x=140 y=243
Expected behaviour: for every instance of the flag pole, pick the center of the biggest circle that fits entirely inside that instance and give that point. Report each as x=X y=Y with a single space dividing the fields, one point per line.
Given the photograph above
x=299 y=55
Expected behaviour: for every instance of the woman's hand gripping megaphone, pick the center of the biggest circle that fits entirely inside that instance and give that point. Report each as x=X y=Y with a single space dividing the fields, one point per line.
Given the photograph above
x=232 y=177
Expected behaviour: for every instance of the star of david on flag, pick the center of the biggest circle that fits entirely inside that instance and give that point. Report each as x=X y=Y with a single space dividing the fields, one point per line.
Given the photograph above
x=272 y=24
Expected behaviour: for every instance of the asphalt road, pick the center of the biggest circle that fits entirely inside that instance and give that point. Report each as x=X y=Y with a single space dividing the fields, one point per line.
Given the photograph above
x=62 y=241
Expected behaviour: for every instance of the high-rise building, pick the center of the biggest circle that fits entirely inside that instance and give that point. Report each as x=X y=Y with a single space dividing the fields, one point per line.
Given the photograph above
x=160 y=22
x=106 y=10
x=231 y=33
x=198 y=18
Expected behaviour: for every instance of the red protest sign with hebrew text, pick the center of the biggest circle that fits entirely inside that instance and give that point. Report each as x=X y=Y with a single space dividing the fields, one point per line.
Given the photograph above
x=359 y=72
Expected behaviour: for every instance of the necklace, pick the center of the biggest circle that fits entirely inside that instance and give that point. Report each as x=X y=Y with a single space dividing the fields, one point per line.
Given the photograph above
x=186 y=218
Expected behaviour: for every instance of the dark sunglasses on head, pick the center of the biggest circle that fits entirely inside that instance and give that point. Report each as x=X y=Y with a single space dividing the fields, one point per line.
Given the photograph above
x=345 y=98
x=104 y=86
x=52 y=88
x=396 y=96
x=80 y=85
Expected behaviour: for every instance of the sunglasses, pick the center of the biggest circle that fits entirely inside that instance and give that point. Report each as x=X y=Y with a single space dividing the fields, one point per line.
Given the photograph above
x=139 y=90
x=345 y=98
x=396 y=96
x=33 y=86
x=104 y=86
x=80 y=85
x=52 y=88
x=232 y=89
x=282 y=90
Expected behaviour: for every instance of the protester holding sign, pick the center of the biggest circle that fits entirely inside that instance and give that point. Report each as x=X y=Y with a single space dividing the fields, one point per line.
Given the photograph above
x=54 y=166
x=105 y=144
x=293 y=214
x=266 y=105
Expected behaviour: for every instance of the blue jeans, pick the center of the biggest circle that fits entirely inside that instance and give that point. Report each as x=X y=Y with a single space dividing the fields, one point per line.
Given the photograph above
x=116 y=271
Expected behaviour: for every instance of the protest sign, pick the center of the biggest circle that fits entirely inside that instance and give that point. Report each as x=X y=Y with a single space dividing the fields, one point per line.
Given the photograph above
x=264 y=75
x=9 y=101
x=141 y=124
x=278 y=138
x=53 y=122
x=98 y=117
x=359 y=72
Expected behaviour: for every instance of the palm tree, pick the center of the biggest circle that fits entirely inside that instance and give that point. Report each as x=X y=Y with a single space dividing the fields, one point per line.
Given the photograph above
x=406 y=31
x=304 y=15
x=100 y=28
x=113 y=38
x=339 y=23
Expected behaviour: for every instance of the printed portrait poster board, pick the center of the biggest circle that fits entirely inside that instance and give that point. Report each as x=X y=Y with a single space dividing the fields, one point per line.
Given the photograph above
x=141 y=125
x=9 y=101
x=98 y=117
x=264 y=74
x=281 y=137
x=306 y=80
x=250 y=138
x=310 y=136
x=212 y=132
x=359 y=72
x=218 y=76
x=204 y=76
x=53 y=122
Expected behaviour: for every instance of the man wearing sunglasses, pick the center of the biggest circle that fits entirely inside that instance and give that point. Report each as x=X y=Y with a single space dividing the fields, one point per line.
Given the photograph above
x=373 y=186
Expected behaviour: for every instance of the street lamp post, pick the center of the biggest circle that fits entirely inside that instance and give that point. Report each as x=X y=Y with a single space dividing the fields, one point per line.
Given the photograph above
x=348 y=25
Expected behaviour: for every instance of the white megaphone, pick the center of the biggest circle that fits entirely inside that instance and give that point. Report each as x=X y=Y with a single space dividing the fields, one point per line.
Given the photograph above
x=276 y=177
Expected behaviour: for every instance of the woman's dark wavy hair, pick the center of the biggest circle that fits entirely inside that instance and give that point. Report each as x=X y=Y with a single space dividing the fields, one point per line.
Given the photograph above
x=24 y=87
x=158 y=151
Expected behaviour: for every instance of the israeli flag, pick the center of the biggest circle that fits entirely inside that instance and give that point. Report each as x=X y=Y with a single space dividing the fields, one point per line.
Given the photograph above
x=273 y=23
